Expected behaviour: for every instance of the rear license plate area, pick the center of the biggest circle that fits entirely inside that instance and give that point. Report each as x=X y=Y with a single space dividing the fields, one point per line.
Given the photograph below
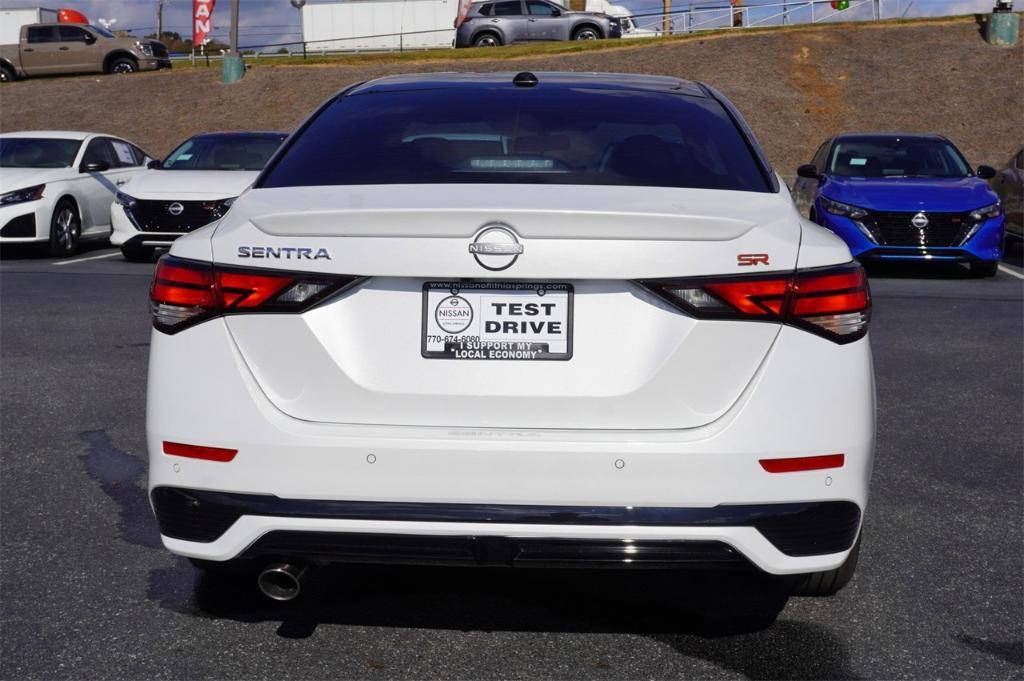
x=504 y=320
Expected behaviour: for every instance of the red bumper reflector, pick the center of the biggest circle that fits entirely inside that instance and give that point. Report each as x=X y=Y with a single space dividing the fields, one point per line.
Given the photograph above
x=199 y=452
x=803 y=463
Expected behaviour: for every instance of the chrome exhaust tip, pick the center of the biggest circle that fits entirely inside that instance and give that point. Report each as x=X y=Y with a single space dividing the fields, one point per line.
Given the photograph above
x=281 y=581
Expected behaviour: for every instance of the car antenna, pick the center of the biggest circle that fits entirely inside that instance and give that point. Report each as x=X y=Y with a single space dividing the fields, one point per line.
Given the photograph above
x=525 y=79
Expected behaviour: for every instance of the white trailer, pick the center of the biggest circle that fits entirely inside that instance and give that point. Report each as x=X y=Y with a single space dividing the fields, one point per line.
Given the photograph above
x=11 y=21
x=379 y=25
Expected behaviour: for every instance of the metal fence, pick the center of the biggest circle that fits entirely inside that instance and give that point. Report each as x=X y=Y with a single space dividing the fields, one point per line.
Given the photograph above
x=694 y=18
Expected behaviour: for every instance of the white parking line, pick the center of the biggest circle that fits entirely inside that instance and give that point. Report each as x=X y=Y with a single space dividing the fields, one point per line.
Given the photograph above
x=1014 y=273
x=91 y=257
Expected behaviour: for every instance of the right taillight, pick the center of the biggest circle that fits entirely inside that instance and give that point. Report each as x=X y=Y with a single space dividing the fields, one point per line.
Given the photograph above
x=833 y=302
x=186 y=292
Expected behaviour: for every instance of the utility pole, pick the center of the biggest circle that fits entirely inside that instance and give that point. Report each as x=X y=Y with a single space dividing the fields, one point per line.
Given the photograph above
x=666 y=21
x=234 y=27
x=159 y=18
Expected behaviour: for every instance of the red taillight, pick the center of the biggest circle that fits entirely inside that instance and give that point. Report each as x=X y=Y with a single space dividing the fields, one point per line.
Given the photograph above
x=185 y=292
x=833 y=302
x=803 y=463
x=199 y=452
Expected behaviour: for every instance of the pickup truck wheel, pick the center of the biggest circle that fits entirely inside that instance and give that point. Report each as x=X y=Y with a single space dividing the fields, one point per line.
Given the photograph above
x=65 y=229
x=586 y=33
x=6 y=74
x=124 y=65
x=487 y=40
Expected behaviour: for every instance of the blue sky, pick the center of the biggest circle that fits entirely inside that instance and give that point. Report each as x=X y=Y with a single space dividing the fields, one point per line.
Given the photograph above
x=275 y=21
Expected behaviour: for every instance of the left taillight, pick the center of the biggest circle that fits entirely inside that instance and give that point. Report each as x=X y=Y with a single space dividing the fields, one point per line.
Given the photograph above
x=833 y=302
x=186 y=292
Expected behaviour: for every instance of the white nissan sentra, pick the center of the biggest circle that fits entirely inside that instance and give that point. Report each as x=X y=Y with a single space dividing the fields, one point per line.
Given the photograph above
x=514 y=319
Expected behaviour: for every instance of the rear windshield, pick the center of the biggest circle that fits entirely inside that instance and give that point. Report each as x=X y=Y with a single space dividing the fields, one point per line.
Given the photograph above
x=582 y=136
x=896 y=157
x=30 y=152
x=224 y=152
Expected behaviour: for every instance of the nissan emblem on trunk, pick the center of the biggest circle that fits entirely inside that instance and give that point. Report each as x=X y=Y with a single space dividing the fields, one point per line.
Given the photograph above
x=496 y=247
x=175 y=208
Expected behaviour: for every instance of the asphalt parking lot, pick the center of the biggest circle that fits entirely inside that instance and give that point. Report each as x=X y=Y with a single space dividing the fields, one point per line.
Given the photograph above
x=88 y=592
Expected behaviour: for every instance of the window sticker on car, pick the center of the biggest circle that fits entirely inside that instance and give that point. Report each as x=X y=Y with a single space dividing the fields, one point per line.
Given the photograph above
x=858 y=161
x=124 y=153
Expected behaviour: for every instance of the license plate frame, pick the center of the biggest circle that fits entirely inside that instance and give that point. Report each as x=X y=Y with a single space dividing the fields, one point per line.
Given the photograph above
x=534 y=349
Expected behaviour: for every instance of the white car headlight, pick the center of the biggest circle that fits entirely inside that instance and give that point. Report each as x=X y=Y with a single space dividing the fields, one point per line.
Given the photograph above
x=144 y=48
x=22 y=195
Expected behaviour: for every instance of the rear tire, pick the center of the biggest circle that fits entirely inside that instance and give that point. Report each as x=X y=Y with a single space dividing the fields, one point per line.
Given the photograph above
x=65 y=229
x=138 y=253
x=123 y=65
x=980 y=270
x=7 y=74
x=829 y=582
x=487 y=40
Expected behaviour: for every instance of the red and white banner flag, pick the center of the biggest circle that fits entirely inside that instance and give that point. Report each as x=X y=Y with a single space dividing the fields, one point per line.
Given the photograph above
x=202 y=20
x=464 y=6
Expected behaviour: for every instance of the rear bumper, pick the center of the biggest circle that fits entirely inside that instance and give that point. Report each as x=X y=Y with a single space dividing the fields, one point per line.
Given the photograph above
x=351 y=482
x=795 y=529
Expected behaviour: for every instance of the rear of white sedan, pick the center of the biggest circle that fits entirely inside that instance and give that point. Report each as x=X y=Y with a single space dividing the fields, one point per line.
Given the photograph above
x=523 y=320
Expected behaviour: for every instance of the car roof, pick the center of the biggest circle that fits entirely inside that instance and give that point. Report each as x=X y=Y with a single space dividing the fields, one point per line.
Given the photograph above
x=559 y=79
x=55 y=134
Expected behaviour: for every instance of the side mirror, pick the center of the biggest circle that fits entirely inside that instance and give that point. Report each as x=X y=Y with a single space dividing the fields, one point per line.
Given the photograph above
x=88 y=38
x=808 y=170
x=153 y=163
x=986 y=172
x=94 y=167
x=556 y=12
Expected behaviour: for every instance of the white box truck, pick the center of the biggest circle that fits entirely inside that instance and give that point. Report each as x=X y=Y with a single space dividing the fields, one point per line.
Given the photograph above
x=379 y=25
x=11 y=21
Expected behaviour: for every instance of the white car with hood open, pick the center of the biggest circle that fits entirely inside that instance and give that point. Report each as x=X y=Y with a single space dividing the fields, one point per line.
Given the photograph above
x=456 y=320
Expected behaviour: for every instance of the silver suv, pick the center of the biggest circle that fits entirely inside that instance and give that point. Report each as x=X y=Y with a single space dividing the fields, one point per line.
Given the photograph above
x=490 y=24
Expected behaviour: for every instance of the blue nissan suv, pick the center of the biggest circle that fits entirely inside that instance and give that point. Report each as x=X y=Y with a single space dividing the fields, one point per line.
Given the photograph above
x=904 y=197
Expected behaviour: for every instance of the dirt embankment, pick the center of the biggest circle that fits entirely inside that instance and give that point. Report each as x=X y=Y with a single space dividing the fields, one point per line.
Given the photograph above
x=795 y=87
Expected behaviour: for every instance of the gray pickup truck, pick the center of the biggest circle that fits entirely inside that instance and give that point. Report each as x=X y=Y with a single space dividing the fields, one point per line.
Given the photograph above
x=54 y=49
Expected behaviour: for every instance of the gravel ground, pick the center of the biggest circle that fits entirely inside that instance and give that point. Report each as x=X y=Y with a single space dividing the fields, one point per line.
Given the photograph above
x=795 y=88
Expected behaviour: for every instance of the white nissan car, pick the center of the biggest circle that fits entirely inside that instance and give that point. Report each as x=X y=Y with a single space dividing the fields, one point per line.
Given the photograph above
x=514 y=319
x=56 y=186
x=191 y=188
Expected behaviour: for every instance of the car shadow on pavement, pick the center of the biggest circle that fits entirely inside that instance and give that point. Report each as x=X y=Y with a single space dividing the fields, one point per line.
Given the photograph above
x=39 y=251
x=725 y=618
